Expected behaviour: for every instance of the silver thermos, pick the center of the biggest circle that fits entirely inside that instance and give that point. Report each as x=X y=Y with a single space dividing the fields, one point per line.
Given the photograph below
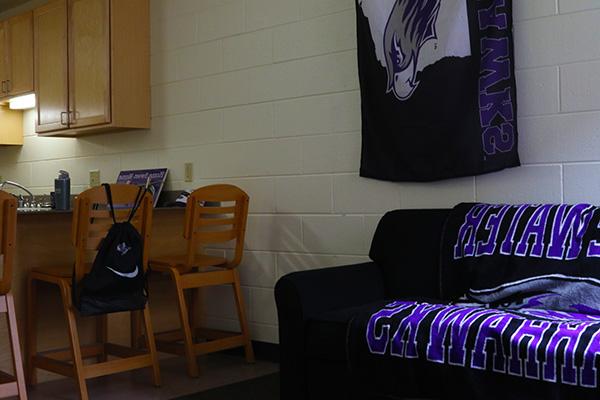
x=62 y=191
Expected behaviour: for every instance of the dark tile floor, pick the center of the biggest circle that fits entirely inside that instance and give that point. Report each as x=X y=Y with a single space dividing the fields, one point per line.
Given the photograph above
x=216 y=370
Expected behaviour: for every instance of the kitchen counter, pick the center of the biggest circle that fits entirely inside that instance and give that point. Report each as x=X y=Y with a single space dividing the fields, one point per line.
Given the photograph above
x=53 y=211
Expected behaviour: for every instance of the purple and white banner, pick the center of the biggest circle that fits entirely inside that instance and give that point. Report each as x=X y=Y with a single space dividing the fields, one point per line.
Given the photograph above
x=438 y=88
x=550 y=346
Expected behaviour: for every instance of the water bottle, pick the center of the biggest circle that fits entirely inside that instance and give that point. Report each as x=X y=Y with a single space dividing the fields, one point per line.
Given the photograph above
x=62 y=191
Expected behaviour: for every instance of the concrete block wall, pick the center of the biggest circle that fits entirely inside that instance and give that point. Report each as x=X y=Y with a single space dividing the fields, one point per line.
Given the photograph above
x=264 y=94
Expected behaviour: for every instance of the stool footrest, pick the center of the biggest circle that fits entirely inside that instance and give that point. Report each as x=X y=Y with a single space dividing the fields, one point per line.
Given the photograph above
x=90 y=351
x=219 y=344
x=57 y=366
x=217 y=341
x=59 y=361
x=123 y=351
x=116 y=366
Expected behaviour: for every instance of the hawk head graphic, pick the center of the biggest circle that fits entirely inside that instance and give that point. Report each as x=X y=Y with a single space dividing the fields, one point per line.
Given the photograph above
x=410 y=25
x=123 y=248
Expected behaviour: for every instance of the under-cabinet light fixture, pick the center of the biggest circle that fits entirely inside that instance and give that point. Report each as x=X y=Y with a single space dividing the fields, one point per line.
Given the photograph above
x=22 y=102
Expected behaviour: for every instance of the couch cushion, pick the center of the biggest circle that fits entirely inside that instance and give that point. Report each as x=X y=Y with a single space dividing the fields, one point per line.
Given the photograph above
x=406 y=246
x=326 y=333
x=558 y=349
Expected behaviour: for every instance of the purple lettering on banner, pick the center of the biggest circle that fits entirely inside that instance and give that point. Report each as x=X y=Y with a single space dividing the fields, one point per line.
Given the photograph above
x=530 y=332
x=440 y=328
x=490 y=17
x=408 y=328
x=460 y=333
x=491 y=330
x=493 y=226
x=569 y=334
x=501 y=138
x=378 y=341
x=465 y=244
x=588 y=372
x=494 y=104
x=495 y=65
x=570 y=226
x=594 y=247
x=507 y=245
x=536 y=226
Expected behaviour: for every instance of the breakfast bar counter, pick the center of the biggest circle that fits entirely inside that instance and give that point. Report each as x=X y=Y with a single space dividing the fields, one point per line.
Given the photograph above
x=44 y=240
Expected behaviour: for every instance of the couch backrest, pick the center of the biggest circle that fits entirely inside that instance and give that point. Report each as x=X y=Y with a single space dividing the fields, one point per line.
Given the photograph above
x=406 y=246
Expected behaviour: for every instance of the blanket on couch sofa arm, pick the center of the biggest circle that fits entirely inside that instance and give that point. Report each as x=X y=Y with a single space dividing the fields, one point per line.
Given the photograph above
x=520 y=311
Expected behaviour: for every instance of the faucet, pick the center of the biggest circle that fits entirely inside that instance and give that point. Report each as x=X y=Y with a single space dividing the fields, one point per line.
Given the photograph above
x=17 y=185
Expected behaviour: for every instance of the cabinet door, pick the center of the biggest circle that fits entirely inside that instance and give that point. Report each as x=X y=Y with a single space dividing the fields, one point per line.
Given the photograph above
x=20 y=42
x=89 y=62
x=50 y=60
x=4 y=67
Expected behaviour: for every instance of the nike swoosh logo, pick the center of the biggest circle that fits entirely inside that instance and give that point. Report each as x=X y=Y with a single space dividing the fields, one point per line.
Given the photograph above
x=129 y=275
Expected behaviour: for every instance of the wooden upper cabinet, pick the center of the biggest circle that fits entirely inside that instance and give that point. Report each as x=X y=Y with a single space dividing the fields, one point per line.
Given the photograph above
x=20 y=54
x=89 y=62
x=16 y=55
x=4 y=65
x=50 y=55
x=104 y=58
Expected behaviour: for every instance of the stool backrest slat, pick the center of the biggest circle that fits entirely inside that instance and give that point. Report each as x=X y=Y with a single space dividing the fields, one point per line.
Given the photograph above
x=216 y=214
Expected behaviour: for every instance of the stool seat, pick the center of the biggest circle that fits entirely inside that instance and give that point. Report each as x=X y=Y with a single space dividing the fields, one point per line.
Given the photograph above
x=180 y=261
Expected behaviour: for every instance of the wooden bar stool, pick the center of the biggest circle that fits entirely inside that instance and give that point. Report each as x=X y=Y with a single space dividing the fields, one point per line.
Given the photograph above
x=10 y=385
x=91 y=222
x=206 y=225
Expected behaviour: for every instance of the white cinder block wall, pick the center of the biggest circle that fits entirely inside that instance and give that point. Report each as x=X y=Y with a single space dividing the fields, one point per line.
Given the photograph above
x=264 y=94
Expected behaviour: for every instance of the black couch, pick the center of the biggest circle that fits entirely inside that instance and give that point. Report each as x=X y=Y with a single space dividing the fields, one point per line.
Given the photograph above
x=314 y=307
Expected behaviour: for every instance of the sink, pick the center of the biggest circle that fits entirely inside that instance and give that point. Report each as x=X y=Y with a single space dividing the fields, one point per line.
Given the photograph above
x=33 y=209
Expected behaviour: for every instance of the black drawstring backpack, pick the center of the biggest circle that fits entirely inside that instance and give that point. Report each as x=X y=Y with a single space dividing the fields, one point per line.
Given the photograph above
x=117 y=281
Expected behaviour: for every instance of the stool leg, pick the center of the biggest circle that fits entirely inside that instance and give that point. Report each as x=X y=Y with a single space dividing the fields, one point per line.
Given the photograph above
x=102 y=335
x=241 y=309
x=190 y=354
x=151 y=345
x=193 y=312
x=136 y=330
x=31 y=331
x=74 y=340
x=16 y=348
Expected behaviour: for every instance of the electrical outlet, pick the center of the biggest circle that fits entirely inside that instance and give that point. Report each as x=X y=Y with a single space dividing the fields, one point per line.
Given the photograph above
x=189 y=172
x=95 y=178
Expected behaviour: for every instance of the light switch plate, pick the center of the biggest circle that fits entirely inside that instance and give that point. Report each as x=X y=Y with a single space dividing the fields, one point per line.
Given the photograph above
x=95 y=178
x=189 y=172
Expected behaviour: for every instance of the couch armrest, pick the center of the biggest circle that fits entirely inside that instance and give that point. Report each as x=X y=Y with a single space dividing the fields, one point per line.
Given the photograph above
x=302 y=295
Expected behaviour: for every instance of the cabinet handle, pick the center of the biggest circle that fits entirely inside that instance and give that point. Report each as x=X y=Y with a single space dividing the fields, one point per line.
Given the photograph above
x=3 y=86
x=72 y=117
x=62 y=118
x=9 y=86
